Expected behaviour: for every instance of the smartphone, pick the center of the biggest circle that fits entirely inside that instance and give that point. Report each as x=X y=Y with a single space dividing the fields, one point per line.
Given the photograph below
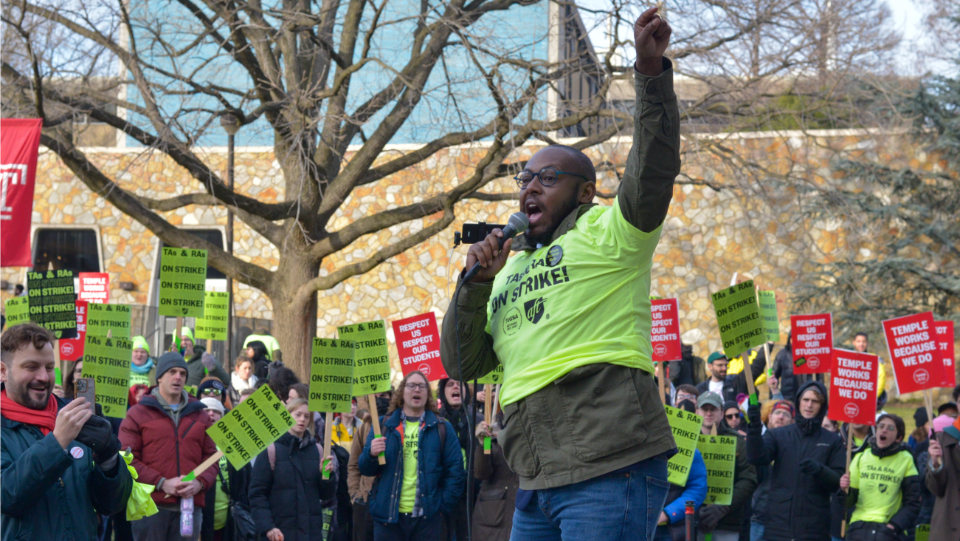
x=85 y=389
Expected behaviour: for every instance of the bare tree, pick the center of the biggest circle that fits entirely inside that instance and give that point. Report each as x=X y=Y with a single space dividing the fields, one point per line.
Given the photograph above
x=319 y=76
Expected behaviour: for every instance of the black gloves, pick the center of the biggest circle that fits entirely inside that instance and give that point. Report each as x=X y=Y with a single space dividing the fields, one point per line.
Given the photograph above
x=98 y=436
x=753 y=414
x=710 y=516
x=810 y=466
x=828 y=478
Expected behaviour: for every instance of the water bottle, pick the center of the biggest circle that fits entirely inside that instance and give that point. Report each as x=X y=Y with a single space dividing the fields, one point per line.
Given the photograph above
x=186 y=517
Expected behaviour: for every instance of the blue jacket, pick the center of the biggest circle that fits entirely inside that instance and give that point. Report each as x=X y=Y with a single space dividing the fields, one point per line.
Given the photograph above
x=49 y=494
x=441 y=478
x=695 y=489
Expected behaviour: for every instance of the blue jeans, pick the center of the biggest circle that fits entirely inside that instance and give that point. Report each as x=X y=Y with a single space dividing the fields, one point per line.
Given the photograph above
x=756 y=531
x=614 y=507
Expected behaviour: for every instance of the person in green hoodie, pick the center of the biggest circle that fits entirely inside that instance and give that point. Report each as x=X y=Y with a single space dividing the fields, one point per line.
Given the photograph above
x=143 y=367
x=883 y=484
x=200 y=364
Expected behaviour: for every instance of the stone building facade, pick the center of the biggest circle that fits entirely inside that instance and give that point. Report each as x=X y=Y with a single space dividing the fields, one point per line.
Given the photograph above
x=721 y=222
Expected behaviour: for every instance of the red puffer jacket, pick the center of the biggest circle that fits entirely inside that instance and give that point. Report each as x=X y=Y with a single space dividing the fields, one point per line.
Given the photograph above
x=162 y=450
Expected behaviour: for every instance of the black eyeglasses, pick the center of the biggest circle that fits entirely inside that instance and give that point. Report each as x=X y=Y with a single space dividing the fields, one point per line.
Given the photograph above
x=547 y=175
x=732 y=415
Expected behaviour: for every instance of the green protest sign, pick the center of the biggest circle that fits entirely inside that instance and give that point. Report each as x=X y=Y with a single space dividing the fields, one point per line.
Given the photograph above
x=371 y=373
x=107 y=361
x=738 y=317
x=769 y=319
x=923 y=532
x=251 y=426
x=17 y=310
x=331 y=375
x=183 y=279
x=213 y=324
x=493 y=378
x=720 y=456
x=52 y=301
x=686 y=432
x=114 y=318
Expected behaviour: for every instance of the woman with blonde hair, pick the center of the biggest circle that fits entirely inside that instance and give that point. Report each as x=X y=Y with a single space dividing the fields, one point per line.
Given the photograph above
x=287 y=487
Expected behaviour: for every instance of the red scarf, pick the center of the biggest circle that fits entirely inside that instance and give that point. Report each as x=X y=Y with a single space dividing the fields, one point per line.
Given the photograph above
x=44 y=419
x=956 y=424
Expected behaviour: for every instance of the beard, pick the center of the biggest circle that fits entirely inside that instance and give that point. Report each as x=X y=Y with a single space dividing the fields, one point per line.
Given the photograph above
x=556 y=216
x=21 y=394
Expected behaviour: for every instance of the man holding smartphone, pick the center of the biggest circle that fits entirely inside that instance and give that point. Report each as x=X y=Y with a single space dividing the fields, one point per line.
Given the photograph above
x=46 y=442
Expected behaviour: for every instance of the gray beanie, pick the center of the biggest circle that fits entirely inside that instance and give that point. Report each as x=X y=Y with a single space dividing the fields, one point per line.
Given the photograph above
x=168 y=360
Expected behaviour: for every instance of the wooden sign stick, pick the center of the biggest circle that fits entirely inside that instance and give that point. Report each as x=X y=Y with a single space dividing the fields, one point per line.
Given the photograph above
x=375 y=421
x=843 y=524
x=204 y=466
x=661 y=382
x=766 y=355
x=496 y=403
x=176 y=334
x=487 y=413
x=327 y=443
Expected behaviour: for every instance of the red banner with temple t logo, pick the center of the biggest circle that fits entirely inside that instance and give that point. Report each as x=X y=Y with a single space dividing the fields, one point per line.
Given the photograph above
x=19 y=146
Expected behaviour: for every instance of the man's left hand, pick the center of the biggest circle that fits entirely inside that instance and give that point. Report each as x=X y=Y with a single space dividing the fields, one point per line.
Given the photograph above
x=651 y=35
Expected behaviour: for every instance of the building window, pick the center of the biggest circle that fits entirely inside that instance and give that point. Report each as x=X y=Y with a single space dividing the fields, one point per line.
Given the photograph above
x=73 y=249
x=213 y=236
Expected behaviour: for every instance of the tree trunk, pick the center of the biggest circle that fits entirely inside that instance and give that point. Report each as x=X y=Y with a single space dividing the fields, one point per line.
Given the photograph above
x=295 y=323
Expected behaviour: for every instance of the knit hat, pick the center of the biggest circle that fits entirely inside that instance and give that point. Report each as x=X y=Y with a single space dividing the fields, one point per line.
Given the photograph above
x=140 y=342
x=187 y=332
x=714 y=356
x=731 y=404
x=168 y=360
x=785 y=405
x=213 y=404
x=710 y=398
x=920 y=416
x=941 y=422
x=211 y=384
x=946 y=406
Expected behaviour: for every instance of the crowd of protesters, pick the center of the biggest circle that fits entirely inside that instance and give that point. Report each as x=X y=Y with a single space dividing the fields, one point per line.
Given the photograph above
x=61 y=472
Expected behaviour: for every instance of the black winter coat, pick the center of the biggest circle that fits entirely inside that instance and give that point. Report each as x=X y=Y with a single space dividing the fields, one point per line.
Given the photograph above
x=690 y=370
x=289 y=497
x=783 y=370
x=798 y=504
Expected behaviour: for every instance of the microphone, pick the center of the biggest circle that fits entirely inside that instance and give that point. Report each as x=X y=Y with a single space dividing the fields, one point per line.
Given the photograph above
x=518 y=223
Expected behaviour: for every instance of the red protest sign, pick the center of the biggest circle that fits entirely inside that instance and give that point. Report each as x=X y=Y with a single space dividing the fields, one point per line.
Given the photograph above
x=71 y=349
x=665 y=330
x=418 y=343
x=812 y=339
x=917 y=364
x=853 y=387
x=944 y=338
x=94 y=287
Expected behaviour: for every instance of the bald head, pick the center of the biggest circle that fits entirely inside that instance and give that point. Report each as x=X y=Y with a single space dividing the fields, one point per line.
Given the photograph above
x=547 y=206
x=573 y=160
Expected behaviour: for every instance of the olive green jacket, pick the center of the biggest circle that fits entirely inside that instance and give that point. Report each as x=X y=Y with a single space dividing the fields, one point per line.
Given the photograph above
x=597 y=418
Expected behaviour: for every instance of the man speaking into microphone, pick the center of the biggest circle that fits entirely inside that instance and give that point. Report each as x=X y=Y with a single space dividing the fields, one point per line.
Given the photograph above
x=568 y=317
